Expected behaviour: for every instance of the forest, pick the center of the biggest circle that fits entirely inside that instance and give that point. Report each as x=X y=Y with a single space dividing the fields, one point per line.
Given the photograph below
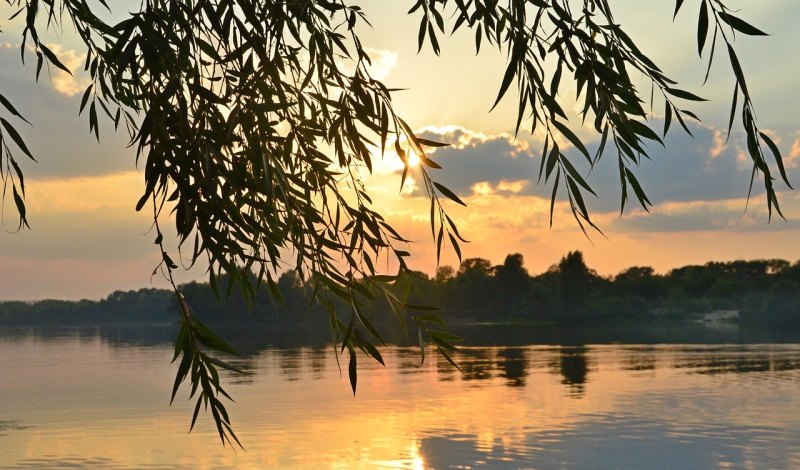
x=765 y=292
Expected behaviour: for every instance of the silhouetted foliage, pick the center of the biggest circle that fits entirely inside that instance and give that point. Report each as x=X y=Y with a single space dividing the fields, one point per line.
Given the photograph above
x=761 y=291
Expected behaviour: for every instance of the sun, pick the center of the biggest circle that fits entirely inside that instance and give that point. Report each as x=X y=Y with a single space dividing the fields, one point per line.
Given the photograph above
x=413 y=160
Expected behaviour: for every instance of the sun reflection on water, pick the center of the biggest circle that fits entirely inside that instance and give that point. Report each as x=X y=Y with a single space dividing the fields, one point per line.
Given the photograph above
x=700 y=406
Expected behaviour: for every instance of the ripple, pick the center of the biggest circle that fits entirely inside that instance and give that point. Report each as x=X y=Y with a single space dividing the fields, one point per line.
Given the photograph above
x=11 y=425
x=72 y=462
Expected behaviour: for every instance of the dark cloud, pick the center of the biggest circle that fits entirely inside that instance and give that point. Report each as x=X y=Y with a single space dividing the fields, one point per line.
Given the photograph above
x=723 y=216
x=58 y=138
x=687 y=169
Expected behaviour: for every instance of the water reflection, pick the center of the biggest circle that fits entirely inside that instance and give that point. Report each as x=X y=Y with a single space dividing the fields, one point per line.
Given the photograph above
x=476 y=364
x=573 y=366
x=99 y=400
x=53 y=462
x=10 y=425
x=737 y=360
x=620 y=441
x=317 y=360
x=640 y=359
x=513 y=366
x=445 y=372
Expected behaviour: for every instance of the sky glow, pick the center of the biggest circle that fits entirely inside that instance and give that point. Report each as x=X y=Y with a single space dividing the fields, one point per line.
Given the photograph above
x=87 y=240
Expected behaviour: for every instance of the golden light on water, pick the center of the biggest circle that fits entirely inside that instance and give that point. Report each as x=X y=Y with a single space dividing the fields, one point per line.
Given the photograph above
x=510 y=407
x=417 y=463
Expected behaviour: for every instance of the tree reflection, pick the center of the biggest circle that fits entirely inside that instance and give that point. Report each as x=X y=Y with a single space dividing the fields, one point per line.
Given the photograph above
x=513 y=366
x=736 y=361
x=573 y=365
x=445 y=372
x=289 y=362
x=640 y=359
x=317 y=357
x=475 y=364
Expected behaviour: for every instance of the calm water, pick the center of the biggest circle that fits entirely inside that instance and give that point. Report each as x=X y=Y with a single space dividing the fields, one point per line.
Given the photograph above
x=92 y=401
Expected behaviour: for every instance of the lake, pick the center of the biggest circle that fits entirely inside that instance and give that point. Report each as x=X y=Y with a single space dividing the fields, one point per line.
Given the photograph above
x=100 y=400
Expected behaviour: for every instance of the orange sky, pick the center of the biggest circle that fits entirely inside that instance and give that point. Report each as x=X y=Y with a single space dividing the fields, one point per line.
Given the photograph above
x=87 y=240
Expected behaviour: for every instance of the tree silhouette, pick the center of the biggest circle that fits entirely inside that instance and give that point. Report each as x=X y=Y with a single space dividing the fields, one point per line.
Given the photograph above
x=575 y=281
x=513 y=285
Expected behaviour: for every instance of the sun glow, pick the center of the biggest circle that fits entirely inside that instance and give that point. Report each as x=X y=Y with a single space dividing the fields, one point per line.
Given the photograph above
x=413 y=160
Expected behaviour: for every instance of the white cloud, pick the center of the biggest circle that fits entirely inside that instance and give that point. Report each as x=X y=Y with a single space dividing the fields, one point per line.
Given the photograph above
x=719 y=144
x=513 y=187
x=383 y=62
x=792 y=160
x=62 y=82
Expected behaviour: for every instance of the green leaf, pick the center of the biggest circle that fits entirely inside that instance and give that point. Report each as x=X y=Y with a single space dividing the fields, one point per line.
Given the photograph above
x=552 y=159
x=53 y=59
x=429 y=163
x=85 y=98
x=348 y=333
x=20 y=208
x=226 y=366
x=667 y=117
x=575 y=175
x=644 y=131
x=180 y=376
x=16 y=138
x=445 y=338
x=683 y=94
x=446 y=355
x=368 y=325
x=431 y=318
x=778 y=159
x=454 y=242
x=195 y=412
x=637 y=189
x=422 y=308
x=352 y=371
x=553 y=196
x=439 y=239
x=737 y=70
x=733 y=110
x=449 y=194
x=7 y=104
x=431 y=143
x=702 y=27
x=577 y=196
x=511 y=70
x=210 y=339
x=423 y=30
x=373 y=351
x=678 y=5
x=566 y=132
x=741 y=25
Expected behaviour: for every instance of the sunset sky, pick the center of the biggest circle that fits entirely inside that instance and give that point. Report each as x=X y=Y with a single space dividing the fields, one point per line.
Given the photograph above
x=87 y=240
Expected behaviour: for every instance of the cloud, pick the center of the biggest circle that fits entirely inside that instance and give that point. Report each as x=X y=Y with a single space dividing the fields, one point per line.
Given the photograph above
x=699 y=168
x=383 y=62
x=58 y=137
x=475 y=157
x=118 y=192
x=716 y=216
x=793 y=158
x=62 y=82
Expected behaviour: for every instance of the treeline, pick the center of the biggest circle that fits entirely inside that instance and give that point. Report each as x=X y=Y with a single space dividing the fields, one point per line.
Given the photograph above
x=144 y=306
x=765 y=292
